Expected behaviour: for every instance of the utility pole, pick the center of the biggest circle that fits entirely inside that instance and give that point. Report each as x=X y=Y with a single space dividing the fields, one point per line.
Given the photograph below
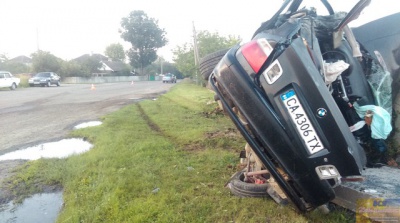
x=196 y=51
x=37 y=38
x=161 y=65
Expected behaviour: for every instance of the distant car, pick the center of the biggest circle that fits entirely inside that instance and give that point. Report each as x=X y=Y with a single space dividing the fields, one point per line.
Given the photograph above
x=8 y=80
x=169 y=78
x=45 y=79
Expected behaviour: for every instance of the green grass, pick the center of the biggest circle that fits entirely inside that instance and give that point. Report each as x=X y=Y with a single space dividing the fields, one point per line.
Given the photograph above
x=24 y=81
x=178 y=144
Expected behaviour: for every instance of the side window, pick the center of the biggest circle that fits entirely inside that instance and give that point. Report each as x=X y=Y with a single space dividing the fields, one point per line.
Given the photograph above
x=1 y=76
x=7 y=75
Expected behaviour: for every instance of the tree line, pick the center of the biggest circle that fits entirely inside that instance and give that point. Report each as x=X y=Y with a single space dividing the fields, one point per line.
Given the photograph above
x=145 y=37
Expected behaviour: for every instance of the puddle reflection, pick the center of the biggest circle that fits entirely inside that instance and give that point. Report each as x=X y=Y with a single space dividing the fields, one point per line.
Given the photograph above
x=42 y=208
x=60 y=149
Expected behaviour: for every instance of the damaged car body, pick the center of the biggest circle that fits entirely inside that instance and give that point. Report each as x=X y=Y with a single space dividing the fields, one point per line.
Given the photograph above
x=300 y=93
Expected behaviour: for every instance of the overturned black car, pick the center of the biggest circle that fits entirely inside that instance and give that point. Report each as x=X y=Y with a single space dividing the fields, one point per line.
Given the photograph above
x=308 y=99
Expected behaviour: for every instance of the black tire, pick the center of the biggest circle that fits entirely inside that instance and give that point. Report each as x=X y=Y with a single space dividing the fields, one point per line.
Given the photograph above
x=58 y=83
x=13 y=86
x=242 y=189
x=208 y=62
x=48 y=84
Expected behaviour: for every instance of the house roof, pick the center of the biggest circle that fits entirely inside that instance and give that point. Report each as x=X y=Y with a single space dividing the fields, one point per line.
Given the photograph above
x=115 y=65
x=84 y=57
x=21 y=59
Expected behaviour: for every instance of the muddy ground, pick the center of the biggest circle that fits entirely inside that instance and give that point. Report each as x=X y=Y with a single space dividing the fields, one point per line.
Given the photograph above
x=6 y=171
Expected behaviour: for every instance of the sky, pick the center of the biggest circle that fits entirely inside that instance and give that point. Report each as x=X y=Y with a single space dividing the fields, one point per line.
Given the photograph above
x=71 y=28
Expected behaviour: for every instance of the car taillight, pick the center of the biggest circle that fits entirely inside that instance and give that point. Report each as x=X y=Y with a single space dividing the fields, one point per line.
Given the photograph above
x=256 y=53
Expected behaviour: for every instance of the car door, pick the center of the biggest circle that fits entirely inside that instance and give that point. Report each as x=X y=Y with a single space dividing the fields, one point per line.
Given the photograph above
x=5 y=80
x=52 y=78
x=55 y=78
x=2 y=80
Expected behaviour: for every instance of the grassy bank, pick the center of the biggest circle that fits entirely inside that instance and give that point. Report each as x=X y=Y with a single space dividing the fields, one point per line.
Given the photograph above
x=163 y=160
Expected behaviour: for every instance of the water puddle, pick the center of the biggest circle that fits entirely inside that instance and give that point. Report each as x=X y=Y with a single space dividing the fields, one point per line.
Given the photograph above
x=60 y=149
x=42 y=208
x=88 y=124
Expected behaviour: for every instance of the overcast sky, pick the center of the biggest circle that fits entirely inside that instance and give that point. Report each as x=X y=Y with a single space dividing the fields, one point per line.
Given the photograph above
x=71 y=28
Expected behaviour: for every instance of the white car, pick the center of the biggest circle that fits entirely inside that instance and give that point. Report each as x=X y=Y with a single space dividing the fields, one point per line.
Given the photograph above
x=8 y=80
x=169 y=78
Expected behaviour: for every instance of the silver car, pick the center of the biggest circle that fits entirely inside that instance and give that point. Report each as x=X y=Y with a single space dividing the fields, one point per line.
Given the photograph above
x=45 y=79
x=169 y=78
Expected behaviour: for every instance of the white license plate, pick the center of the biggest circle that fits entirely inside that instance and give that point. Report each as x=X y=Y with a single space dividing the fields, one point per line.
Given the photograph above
x=302 y=122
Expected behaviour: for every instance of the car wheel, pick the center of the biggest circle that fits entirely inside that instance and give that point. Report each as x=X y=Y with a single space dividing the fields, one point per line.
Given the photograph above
x=208 y=62
x=13 y=86
x=58 y=83
x=31 y=85
x=48 y=84
x=242 y=189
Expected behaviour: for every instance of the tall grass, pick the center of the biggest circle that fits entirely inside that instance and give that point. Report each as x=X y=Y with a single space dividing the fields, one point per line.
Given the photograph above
x=24 y=80
x=163 y=160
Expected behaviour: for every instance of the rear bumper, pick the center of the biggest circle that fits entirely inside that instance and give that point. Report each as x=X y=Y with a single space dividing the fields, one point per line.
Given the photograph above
x=169 y=80
x=274 y=136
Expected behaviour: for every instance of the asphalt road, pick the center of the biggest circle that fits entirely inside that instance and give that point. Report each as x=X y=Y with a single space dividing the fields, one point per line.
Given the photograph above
x=30 y=116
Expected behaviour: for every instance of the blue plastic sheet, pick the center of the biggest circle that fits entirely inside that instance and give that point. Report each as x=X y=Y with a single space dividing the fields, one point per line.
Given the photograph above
x=381 y=120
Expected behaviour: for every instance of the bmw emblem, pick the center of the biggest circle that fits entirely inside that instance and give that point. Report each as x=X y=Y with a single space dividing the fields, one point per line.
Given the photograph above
x=322 y=112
